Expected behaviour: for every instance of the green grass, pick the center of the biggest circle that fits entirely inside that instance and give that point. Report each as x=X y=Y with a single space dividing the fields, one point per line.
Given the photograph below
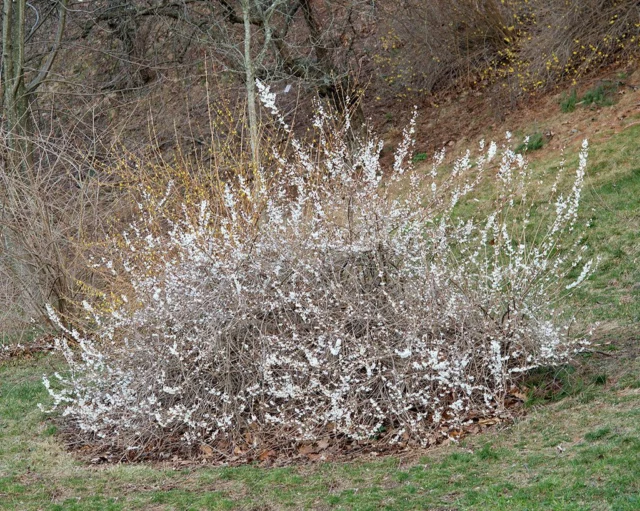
x=419 y=157
x=610 y=203
x=567 y=455
x=23 y=336
x=602 y=95
x=578 y=448
x=534 y=143
x=568 y=101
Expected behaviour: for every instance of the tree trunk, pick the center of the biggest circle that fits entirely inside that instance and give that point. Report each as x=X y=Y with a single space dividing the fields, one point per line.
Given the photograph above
x=18 y=97
x=16 y=118
x=15 y=94
x=250 y=78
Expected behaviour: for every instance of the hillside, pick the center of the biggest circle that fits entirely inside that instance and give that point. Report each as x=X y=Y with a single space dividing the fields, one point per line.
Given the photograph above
x=573 y=446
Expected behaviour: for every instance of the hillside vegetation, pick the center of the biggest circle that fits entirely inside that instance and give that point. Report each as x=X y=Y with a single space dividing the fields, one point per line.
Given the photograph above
x=320 y=255
x=97 y=88
x=576 y=447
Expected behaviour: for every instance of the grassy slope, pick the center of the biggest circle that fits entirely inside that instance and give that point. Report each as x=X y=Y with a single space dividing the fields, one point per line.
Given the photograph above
x=611 y=204
x=581 y=452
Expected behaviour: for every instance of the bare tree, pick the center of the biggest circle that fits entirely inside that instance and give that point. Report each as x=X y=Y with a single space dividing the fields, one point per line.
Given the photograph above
x=312 y=43
x=18 y=88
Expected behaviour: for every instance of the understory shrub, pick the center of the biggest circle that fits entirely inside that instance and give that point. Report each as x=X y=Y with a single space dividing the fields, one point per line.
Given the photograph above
x=329 y=300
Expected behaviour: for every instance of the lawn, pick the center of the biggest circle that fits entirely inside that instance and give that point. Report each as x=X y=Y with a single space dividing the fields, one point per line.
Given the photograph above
x=580 y=452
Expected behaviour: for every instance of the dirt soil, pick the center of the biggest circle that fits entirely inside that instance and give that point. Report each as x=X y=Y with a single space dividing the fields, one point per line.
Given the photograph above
x=460 y=121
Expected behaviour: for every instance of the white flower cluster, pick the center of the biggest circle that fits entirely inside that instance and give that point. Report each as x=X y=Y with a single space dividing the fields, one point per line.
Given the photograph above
x=325 y=301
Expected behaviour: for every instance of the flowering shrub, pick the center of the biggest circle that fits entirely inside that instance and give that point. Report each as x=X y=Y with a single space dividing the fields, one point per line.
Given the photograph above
x=327 y=301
